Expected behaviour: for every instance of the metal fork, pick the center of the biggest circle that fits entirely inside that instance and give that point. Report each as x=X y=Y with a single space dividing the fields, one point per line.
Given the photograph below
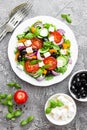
x=15 y=20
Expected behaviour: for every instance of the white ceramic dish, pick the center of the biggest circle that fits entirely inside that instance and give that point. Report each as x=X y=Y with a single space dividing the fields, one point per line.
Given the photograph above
x=12 y=44
x=62 y=122
x=81 y=100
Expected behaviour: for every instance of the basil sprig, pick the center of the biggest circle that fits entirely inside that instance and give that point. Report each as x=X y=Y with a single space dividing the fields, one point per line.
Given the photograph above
x=14 y=84
x=26 y=121
x=52 y=104
x=66 y=17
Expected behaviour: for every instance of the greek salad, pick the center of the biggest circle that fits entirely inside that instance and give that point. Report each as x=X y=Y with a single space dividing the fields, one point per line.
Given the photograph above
x=42 y=51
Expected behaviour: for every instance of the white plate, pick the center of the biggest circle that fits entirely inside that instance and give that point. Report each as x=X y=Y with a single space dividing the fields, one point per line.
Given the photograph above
x=20 y=29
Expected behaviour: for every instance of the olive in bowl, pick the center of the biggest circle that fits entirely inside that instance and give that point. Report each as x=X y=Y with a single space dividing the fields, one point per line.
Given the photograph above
x=78 y=85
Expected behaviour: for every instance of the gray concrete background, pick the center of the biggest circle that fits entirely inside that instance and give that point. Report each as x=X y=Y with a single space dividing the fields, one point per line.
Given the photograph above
x=37 y=95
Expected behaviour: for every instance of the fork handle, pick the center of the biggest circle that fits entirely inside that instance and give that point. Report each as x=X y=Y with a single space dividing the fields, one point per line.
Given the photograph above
x=2 y=34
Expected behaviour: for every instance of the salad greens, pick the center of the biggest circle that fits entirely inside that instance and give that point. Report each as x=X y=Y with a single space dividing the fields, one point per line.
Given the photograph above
x=43 y=51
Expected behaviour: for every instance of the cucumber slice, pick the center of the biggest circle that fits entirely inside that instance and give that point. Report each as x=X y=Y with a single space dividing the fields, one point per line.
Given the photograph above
x=62 y=61
x=44 y=32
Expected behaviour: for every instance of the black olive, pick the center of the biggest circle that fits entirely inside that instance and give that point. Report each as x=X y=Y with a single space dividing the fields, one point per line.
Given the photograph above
x=54 y=55
x=49 y=72
x=78 y=95
x=73 y=82
x=61 y=46
x=83 y=95
x=34 y=50
x=23 y=52
x=83 y=75
x=73 y=89
x=83 y=81
x=82 y=89
x=19 y=58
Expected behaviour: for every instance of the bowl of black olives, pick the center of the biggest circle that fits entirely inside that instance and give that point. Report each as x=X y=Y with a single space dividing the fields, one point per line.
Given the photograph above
x=78 y=85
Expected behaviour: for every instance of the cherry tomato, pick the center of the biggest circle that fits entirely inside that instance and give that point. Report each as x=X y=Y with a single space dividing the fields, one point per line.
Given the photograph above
x=51 y=61
x=57 y=36
x=31 y=68
x=20 y=97
x=36 y=43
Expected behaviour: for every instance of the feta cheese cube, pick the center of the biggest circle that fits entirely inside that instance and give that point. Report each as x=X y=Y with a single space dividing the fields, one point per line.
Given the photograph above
x=28 y=43
x=51 y=29
x=29 y=50
x=51 y=38
x=47 y=54
x=63 y=51
x=41 y=64
x=20 y=44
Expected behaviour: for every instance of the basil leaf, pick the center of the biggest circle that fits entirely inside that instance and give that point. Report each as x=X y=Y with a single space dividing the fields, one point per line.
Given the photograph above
x=4 y=102
x=53 y=103
x=9 y=115
x=30 y=118
x=3 y=96
x=23 y=122
x=68 y=19
x=59 y=103
x=64 y=16
x=10 y=109
x=48 y=110
x=9 y=97
x=9 y=102
x=33 y=62
x=17 y=113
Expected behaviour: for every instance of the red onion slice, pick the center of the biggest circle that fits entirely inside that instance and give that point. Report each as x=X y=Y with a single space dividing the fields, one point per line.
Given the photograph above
x=55 y=73
x=70 y=61
x=39 y=56
x=61 y=31
x=40 y=78
x=61 y=42
x=21 y=47
x=30 y=56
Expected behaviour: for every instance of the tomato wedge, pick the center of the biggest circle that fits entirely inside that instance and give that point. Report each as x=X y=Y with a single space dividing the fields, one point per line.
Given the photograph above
x=20 y=97
x=51 y=61
x=36 y=43
x=31 y=68
x=57 y=36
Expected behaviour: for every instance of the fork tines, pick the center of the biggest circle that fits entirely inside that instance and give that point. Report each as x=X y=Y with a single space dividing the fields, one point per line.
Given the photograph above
x=26 y=9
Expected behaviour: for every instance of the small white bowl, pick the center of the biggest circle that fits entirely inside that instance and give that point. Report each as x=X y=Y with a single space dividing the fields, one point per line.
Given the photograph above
x=69 y=85
x=62 y=122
